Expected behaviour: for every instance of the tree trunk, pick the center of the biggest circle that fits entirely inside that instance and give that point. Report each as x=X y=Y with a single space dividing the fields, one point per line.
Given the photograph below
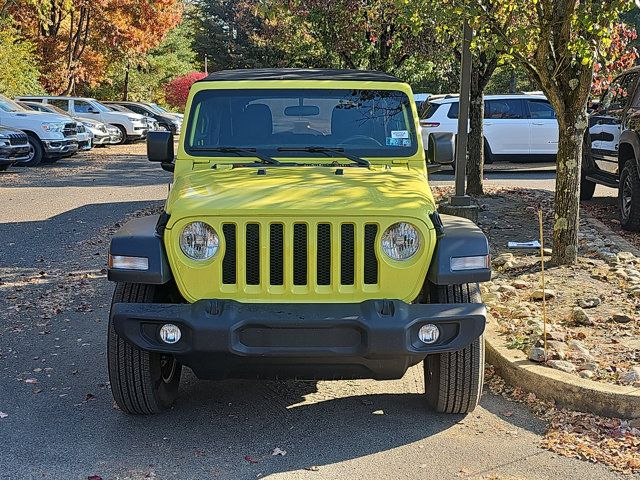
x=567 y=195
x=512 y=82
x=475 y=162
x=125 y=93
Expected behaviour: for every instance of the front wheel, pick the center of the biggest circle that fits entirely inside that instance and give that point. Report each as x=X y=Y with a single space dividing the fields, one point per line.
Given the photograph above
x=123 y=132
x=36 y=152
x=629 y=197
x=142 y=382
x=453 y=380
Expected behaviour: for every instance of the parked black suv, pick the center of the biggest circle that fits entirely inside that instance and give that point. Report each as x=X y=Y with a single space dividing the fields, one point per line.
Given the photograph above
x=611 y=152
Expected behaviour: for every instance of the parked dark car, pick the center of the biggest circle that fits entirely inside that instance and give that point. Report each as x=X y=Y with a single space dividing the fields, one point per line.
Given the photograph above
x=611 y=152
x=14 y=147
x=165 y=120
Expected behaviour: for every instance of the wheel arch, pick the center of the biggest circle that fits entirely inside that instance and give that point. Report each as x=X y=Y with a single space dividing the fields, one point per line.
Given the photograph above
x=628 y=149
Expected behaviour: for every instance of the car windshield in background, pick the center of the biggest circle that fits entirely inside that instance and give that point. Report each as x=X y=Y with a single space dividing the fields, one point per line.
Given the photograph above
x=278 y=122
x=10 y=106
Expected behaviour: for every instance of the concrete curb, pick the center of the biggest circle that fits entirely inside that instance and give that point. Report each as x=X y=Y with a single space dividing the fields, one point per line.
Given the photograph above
x=565 y=389
x=601 y=228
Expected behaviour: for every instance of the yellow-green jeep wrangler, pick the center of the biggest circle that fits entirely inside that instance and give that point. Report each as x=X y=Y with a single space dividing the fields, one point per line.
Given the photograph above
x=300 y=240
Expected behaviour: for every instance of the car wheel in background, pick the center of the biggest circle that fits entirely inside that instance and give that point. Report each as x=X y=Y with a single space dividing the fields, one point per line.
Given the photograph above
x=123 y=132
x=629 y=197
x=36 y=152
x=488 y=156
x=3 y=168
x=587 y=188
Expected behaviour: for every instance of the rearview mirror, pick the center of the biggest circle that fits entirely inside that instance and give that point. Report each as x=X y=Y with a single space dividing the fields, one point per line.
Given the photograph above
x=441 y=148
x=302 y=111
x=160 y=146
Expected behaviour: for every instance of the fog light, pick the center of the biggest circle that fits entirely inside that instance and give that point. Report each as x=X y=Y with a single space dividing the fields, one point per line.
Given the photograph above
x=429 y=333
x=169 y=333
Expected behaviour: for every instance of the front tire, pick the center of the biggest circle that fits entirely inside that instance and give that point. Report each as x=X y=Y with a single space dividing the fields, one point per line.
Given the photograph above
x=36 y=152
x=488 y=156
x=123 y=132
x=629 y=197
x=453 y=380
x=587 y=189
x=142 y=383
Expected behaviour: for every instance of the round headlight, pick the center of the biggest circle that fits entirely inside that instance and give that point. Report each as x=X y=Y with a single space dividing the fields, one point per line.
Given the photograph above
x=199 y=241
x=400 y=241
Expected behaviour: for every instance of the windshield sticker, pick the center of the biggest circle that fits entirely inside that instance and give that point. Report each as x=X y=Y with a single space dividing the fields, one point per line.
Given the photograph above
x=399 y=134
x=398 y=142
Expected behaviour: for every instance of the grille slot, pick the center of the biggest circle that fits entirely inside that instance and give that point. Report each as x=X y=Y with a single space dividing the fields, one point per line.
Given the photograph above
x=276 y=254
x=17 y=139
x=347 y=253
x=300 y=254
x=324 y=254
x=253 y=254
x=229 y=260
x=370 y=259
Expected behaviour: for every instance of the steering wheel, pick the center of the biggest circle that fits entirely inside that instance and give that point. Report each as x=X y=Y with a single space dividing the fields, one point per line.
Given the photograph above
x=354 y=138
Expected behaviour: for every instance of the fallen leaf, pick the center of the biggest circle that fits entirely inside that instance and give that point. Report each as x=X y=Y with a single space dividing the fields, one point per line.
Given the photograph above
x=89 y=396
x=249 y=459
x=31 y=381
x=378 y=412
x=278 y=451
x=313 y=468
x=3 y=415
x=94 y=477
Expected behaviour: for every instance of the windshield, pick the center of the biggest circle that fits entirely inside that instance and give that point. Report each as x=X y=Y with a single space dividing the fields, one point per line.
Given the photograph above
x=282 y=122
x=100 y=107
x=10 y=106
x=154 y=107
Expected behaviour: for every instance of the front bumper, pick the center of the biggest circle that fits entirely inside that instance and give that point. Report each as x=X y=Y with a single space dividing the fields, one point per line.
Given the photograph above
x=60 y=147
x=10 y=154
x=373 y=339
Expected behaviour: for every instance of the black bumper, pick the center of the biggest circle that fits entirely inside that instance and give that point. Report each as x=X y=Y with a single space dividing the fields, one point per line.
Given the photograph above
x=373 y=339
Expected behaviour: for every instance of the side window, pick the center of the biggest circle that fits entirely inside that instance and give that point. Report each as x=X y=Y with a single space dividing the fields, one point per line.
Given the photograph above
x=60 y=103
x=81 y=106
x=136 y=109
x=541 y=110
x=506 y=109
x=453 y=110
x=618 y=93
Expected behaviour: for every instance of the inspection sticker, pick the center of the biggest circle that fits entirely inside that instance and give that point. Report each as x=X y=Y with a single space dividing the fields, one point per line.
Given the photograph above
x=399 y=134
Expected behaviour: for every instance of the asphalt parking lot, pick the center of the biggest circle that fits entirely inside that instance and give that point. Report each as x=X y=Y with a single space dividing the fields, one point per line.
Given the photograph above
x=60 y=421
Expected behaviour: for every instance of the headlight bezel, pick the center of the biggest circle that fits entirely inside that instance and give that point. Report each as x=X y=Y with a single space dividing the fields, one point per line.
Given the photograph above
x=209 y=250
x=416 y=241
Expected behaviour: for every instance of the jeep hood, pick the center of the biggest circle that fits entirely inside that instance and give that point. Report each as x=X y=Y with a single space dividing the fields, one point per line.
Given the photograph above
x=301 y=191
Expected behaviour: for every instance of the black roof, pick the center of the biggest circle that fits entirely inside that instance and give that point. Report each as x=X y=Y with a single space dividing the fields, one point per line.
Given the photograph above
x=300 y=74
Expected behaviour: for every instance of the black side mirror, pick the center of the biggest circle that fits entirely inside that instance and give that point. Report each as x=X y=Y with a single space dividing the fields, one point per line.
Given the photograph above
x=160 y=147
x=441 y=148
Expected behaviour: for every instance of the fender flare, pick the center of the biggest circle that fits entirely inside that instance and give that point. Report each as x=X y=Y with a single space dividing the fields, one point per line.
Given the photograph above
x=142 y=237
x=457 y=237
x=630 y=137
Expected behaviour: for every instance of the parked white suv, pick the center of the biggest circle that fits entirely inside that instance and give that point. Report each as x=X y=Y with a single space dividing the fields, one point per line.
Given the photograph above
x=51 y=136
x=519 y=127
x=132 y=125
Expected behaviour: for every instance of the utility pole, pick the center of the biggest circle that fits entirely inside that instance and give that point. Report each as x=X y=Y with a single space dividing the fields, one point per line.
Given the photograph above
x=206 y=66
x=459 y=204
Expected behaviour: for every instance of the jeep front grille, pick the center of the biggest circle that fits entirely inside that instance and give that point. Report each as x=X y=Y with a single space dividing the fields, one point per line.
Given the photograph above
x=308 y=255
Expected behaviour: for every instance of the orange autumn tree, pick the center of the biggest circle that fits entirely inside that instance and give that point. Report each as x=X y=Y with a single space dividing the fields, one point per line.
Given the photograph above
x=615 y=57
x=75 y=39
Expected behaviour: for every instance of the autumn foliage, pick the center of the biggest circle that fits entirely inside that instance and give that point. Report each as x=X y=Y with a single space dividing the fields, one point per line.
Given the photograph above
x=75 y=40
x=614 y=58
x=177 y=90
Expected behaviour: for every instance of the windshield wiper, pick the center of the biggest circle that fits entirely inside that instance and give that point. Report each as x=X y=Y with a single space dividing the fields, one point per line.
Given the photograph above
x=239 y=151
x=327 y=150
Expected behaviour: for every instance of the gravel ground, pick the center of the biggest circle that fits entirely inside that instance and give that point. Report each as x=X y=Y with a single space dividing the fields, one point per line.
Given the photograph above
x=58 y=420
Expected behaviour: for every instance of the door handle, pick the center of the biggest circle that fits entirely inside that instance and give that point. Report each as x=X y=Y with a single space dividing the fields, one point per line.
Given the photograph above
x=488 y=123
